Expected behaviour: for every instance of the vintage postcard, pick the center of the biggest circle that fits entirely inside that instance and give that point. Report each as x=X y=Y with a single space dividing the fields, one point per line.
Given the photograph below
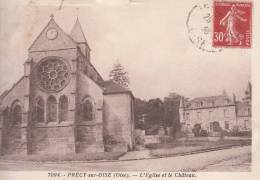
x=129 y=89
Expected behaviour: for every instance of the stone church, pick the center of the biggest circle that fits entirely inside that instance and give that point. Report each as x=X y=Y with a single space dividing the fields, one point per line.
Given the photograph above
x=62 y=104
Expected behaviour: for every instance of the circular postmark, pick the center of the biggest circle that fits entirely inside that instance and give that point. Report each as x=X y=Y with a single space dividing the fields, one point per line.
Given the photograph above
x=199 y=26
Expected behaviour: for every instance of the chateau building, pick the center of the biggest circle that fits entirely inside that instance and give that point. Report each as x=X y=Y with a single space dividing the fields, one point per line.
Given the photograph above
x=215 y=112
x=62 y=104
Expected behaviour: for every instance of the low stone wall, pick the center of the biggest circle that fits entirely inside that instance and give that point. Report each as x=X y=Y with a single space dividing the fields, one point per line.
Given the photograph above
x=199 y=138
x=236 y=138
x=155 y=139
x=151 y=139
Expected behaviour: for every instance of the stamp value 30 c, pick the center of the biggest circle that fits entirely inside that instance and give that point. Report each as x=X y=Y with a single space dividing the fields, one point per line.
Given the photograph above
x=232 y=24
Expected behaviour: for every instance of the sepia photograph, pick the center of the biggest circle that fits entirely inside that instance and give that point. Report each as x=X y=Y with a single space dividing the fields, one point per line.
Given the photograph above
x=143 y=86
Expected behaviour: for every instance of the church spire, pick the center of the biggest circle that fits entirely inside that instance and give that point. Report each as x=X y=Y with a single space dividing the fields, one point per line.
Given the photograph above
x=77 y=33
x=51 y=16
x=78 y=36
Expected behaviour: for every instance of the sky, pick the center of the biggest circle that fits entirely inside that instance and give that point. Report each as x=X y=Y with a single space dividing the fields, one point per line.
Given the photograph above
x=148 y=37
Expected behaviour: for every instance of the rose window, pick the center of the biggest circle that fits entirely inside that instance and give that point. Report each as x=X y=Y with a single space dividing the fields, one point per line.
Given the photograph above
x=53 y=74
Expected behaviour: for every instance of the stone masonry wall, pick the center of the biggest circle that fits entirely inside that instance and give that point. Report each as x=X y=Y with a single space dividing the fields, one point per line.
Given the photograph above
x=89 y=134
x=89 y=139
x=14 y=139
x=52 y=140
x=117 y=118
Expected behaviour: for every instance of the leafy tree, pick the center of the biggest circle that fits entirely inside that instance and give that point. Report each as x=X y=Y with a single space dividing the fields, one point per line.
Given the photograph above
x=171 y=111
x=196 y=129
x=140 y=110
x=119 y=75
x=154 y=116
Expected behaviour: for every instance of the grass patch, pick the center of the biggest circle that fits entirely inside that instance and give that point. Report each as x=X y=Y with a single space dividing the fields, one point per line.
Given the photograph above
x=177 y=143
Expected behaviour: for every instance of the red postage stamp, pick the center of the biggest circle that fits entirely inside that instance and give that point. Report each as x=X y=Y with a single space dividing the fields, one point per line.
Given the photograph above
x=232 y=24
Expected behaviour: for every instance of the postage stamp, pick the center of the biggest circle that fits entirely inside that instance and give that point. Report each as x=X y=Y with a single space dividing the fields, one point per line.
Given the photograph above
x=232 y=24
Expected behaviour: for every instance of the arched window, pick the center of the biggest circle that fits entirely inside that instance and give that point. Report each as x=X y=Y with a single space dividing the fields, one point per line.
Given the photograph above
x=5 y=115
x=16 y=114
x=51 y=109
x=63 y=108
x=39 y=110
x=86 y=111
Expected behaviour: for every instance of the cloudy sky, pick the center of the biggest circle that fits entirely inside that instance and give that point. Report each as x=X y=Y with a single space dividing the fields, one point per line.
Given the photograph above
x=148 y=37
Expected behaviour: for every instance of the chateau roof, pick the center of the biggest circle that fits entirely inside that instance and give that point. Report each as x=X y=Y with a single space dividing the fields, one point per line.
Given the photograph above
x=208 y=98
x=242 y=104
x=248 y=92
x=209 y=101
x=249 y=87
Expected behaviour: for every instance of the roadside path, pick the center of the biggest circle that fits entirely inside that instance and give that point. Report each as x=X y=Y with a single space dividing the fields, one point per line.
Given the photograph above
x=238 y=157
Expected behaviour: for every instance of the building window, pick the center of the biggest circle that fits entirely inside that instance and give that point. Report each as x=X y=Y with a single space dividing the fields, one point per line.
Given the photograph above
x=226 y=113
x=188 y=105
x=211 y=126
x=51 y=109
x=226 y=102
x=188 y=128
x=198 y=115
x=246 y=124
x=5 y=115
x=216 y=127
x=63 y=108
x=187 y=116
x=16 y=114
x=210 y=115
x=226 y=125
x=39 y=110
x=53 y=74
x=86 y=111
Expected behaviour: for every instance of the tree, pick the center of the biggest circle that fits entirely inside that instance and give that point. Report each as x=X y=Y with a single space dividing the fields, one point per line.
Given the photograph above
x=140 y=110
x=119 y=75
x=196 y=129
x=154 y=116
x=171 y=111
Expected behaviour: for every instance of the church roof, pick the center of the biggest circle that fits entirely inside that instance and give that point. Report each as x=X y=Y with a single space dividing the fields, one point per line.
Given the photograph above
x=77 y=33
x=52 y=37
x=6 y=92
x=3 y=95
x=110 y=87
